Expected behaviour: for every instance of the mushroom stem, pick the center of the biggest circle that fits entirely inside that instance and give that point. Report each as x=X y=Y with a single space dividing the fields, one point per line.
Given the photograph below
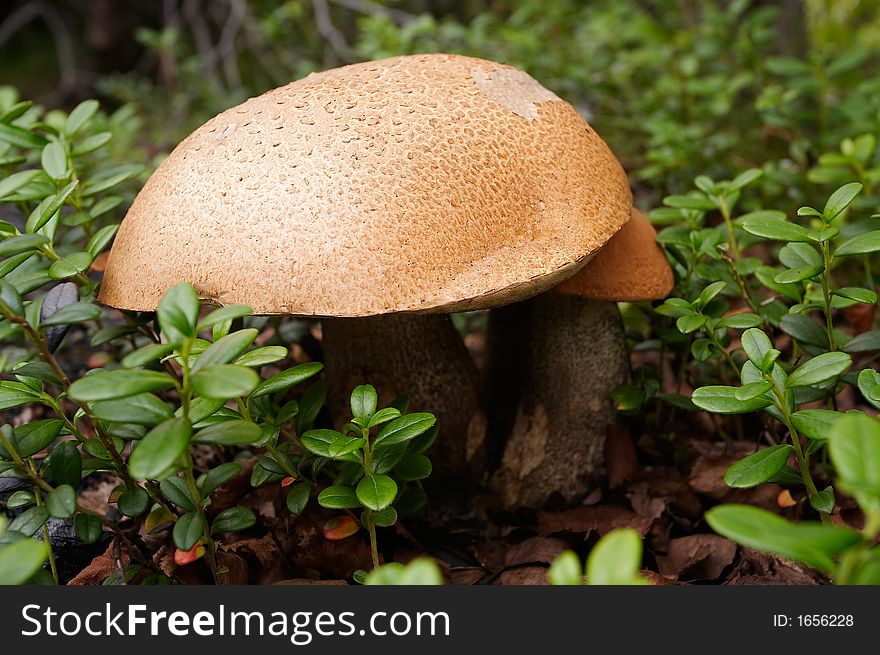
x=421 y=356
x=553 y=361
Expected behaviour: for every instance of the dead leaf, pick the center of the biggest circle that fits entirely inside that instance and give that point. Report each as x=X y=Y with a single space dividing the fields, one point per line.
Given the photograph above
x=526 y=575
x=537 y=550
x=697 y=557
x=599 y=518
x=620 y=456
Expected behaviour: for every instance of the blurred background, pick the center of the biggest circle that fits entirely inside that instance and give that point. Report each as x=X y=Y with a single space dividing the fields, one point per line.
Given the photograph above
x=677 y=87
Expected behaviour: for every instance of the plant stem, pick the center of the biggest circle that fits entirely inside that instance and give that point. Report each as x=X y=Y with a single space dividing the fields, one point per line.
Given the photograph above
x=800 y=456
x=44 y=528
x=368 y=513
x=826 y=295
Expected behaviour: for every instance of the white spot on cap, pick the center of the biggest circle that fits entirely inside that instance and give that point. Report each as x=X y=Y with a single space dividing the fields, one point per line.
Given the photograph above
x=516 y=90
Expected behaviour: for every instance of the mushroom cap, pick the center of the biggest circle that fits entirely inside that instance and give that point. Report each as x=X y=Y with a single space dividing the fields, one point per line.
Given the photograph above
x=631 y=267
x=428 y=183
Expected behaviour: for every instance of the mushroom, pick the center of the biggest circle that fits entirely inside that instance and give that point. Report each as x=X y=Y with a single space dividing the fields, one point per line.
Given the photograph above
x=380 y=197
x=554 y=360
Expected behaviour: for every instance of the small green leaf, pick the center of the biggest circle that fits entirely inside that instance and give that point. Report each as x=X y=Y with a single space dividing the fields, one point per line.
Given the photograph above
x=869 y=385
x=21 y=560
x=262 y=356
x=815 y=424
x=286 y=379
x=219 y=476
x=804 y=329
x=87 y=527
x=376 y=491
x=565 y=570
x=338 y=497
x=65 y=464
x=690 y=322
x=756 y=345
x=229 y=433
x=854 y=447
x=101 y=239
x=188 y=529
x=133 y=501
x=722 y=400
x=383 y=416
x=160 y=448
x=175 y=489
x=79 y=116
x=616 y=559
x=819 y=369
x=222 y=314
x=775 y=229
x=70 y=265
x=823 y=501
x=859 y=295
x=405 y=428
x=31 y=438
x=297 y=497
x=233 y=519
x=808 y=542
x=12 y=183
x=752 y=390
x=758 y=467
x=78 y=312
x=740 y=321
x=54 y=160
x=859 y=245
x=145 y=355
x=363 y=402
x=840 y=200
x=413 y=467
x=226 y=349
x=61 y=502
x=225 y=381
x=141 y=409
x=112 y=385
x=178 y=312
x=798 y=274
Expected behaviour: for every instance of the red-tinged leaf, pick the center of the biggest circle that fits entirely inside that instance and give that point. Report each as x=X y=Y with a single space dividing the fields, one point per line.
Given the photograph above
x=340 y=527
x=785 y=499
x=184 y=557
x=289 y=480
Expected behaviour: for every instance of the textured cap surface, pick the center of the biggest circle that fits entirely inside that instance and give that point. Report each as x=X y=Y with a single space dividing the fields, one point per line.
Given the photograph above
x=421 y=183
x=631 y=267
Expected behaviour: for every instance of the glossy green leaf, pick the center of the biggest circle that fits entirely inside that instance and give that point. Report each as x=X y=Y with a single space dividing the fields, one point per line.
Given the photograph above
x=376 y=491
x=363 y=402
x=226 y=349
x=616 y=559
x=160 y=448
x=407 y=427
x=297 y=497
x=758 y=467
x=61 y=502
x=722 y=400
x=233 y=519
x=286 y=379
x=188 y=529
x=112 y=385
x=229 y=433
x=819 y=369
x=225 y=381
x=21 y=560
x=178 y=312
x=338 y=497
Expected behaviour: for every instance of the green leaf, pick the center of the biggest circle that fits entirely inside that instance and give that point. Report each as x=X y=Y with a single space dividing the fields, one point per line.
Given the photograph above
x=175 y=489
x=859 y=295
x=615 y=559
x=752 y=390
x=160 y=448
x=376 y=491
x=840 y=200
x=690 y=322
x=12 y=183
x=178 y=312
x=722 y=400
x=19 y=137
x=111 y=385
x=710 y=292
x=87 y=527
x=758 y=467
x=413 y=467
x=740 y=321
x=808 y=542
x=11 y=263
x=141 y=409
x=21 y=560
x=219 y=476
x=405 y=428
x=800 y=255
x=19 y=499
x=133 y=501
x=775 y=229
x=226 y=349
x=225 y=381
x=61 y=502
x=819 y=369
x=14 y=394
x=297 y=497
x=229 y=433
x=188 y=529
x=48 y=207
x=694 y=201
x=859 y=245
x=262 y=356
x=385 y=458
x=286 y=379
x=101 y=239
x=854 y=447
x=150 y=353
x=79 y=116
x=29 y=521
x=233 y=519
x=70 y=265
x=77 y=312
x=823 y=501
x=65 y=464
x=222 y=314
x=21 y=243
x=756 y=345
x=54 y=160
x=804 y=329
x=31 y=438
x=815 y=424
x=565 y=570
x=338 y=497
x=798 y=274
x=385 y=518
x=363 y=402
x=869 y=385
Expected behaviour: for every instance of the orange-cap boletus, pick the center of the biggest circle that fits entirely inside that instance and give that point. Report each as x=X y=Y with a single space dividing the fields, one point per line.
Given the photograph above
x=380 y=196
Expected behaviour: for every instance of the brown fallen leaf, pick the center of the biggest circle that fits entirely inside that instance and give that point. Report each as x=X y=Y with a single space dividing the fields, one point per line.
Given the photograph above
x=99 y=568
x=697 y=557
x=524 y=575
x=536 y=550
x=755 y=567
x=599 y=518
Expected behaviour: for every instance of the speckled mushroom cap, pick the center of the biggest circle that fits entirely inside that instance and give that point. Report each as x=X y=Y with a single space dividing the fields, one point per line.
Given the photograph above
x=631 y=267
x=429 y=183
